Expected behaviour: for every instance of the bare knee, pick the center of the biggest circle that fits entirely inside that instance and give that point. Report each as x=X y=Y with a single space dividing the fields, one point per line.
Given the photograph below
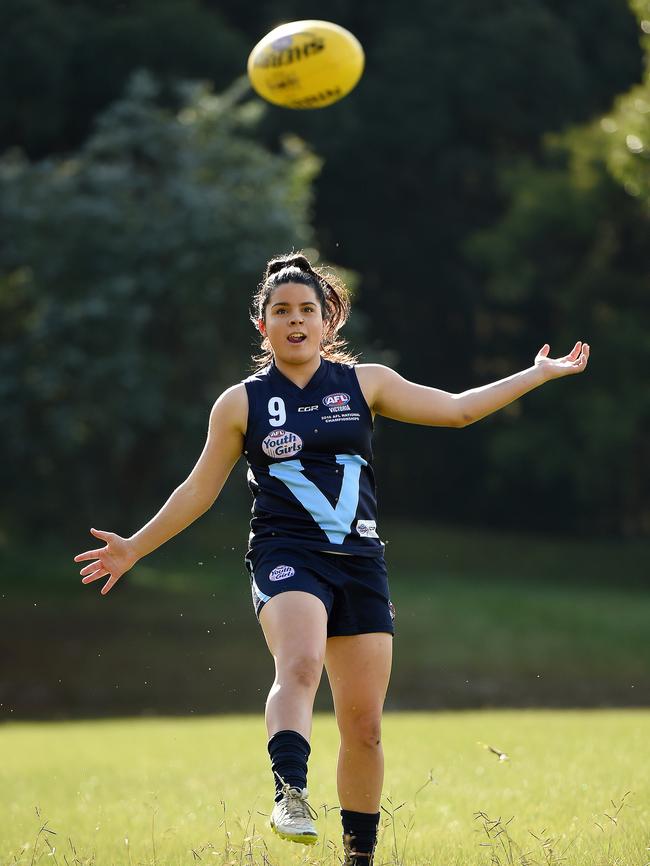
x=361 y=729
x=303 y=670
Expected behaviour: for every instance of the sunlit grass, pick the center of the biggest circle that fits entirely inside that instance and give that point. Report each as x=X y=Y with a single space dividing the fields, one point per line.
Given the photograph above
x=178 y=791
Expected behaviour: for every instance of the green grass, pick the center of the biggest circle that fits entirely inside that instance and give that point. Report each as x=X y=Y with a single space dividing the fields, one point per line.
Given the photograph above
x=483 y=620
x=179 y=791
x=412 y=552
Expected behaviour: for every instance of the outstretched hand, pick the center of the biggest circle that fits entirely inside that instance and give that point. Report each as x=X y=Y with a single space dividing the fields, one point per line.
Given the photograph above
x=574 y=362
x=112 y=560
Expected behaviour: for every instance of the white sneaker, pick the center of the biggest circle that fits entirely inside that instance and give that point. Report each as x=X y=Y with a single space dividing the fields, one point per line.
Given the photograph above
x=292 y=817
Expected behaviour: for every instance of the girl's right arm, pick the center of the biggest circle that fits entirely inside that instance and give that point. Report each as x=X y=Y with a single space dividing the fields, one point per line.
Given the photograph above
x=223 y=447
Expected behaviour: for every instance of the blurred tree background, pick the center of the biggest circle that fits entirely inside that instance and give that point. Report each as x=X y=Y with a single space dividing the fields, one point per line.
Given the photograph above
x=488 y=183
x=486 y=188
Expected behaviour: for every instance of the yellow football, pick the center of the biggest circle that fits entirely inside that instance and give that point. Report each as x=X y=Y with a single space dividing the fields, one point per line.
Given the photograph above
x=306 y=64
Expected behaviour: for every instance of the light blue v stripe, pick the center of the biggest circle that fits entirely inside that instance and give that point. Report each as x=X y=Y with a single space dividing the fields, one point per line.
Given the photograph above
x=335 y=522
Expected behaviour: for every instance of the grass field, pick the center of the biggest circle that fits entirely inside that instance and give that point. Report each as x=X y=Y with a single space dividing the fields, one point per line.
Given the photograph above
x=180 y=791
x=484 y=620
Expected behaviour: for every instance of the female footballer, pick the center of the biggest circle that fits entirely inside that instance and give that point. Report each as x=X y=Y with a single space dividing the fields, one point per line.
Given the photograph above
x=304 y=423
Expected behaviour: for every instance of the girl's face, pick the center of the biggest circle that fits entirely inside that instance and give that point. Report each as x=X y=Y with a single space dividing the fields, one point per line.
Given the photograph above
x=293 y=322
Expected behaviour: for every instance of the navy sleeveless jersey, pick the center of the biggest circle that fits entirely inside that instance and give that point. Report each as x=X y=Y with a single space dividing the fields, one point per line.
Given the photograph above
x=309 y=454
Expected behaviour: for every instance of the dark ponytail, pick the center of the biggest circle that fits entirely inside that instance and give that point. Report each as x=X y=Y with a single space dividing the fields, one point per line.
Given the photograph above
x=332 y=295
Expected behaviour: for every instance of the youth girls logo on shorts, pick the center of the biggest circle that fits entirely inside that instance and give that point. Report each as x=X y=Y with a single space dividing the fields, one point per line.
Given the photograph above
x=282 y=572
x=337 y=402
x=281 y=443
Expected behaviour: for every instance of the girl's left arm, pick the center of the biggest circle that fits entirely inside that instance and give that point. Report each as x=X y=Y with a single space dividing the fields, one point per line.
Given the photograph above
x=394 y=397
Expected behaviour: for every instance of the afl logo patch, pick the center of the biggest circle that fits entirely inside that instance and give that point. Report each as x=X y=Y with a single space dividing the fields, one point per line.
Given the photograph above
x=281 y=443
x=337 y=402
x=339 y=399
x=282 y=572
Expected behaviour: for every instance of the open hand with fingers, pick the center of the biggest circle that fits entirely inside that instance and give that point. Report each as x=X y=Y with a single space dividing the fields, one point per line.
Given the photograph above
x=554 y=368
x=113 y=560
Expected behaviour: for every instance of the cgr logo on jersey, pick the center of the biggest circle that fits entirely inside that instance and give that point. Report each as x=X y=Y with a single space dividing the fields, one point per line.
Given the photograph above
x=337 y=402
x=282 y=572
x=281 y=443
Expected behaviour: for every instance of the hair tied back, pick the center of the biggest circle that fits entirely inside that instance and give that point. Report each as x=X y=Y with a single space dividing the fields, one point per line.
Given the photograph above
x=332 y=295
x=294 y=261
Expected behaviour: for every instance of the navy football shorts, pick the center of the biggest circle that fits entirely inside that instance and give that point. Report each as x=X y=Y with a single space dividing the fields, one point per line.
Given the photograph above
x=354 y=589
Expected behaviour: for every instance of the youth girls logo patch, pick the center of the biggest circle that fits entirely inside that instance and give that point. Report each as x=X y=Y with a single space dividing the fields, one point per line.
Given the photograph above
x=337 y=402
x=282 y=572
x=281 y=443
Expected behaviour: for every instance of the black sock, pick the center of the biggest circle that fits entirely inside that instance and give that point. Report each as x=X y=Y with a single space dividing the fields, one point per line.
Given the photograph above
x=289 y=752
x=361 y=828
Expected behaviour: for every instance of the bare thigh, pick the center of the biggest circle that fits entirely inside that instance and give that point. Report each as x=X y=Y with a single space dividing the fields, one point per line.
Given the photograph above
x=358 y=669
x=295 y=623
x=295 y=628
